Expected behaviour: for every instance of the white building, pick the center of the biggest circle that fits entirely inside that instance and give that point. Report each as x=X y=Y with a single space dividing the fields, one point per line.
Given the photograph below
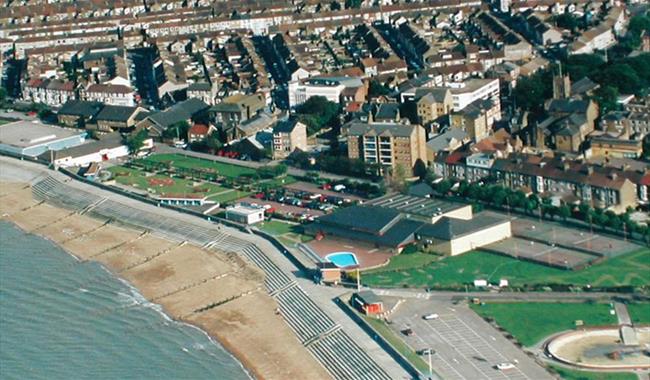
x=597 y=38
x=109 y=147
x=330 y=88
x=113 y=94
x=469 y=91
x=246 y=214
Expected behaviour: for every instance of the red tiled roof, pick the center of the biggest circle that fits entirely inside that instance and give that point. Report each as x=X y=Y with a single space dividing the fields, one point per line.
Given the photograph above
x=199 y=129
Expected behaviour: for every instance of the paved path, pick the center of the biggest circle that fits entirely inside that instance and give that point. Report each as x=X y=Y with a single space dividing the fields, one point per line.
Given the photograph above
x=622 y=314
x=514 y=296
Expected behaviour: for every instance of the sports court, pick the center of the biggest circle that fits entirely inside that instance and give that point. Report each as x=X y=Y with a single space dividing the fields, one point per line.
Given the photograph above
x=542 y=253
x=586 y=241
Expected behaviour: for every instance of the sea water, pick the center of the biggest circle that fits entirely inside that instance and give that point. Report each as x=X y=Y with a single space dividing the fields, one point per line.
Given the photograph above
x=65 y=319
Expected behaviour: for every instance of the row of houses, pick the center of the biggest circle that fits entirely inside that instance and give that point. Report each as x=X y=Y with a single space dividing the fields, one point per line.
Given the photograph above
x=599 y=185
x=55 y=92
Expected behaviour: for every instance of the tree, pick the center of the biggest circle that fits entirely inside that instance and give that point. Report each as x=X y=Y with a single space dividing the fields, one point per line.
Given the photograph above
x=3 y=95
x=564 y=212
x=443 y=186
x=420 y=169
x=532 y=91
x=606 y=98
x=177 y=130
x=398 y=178
x=213 y=143
x=317 y=112
x=621 y=76
x=376 y=89
x=135 y=141
x=566 y=21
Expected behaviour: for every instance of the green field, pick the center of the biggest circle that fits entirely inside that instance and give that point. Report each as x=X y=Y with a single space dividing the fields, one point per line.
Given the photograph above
x=571 y=374
x=163 y=185
x=639 y=312
x=530 y=322
x=289 y=234
x=427 y=270
x=180 y=161
x=276 y=227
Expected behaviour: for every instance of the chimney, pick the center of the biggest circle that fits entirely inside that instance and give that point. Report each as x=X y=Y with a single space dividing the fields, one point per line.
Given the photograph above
x=566 y=166
x=590 y=170
x=613 y=176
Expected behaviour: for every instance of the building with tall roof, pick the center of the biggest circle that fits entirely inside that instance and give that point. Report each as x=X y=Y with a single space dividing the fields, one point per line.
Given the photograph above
x=387 y=144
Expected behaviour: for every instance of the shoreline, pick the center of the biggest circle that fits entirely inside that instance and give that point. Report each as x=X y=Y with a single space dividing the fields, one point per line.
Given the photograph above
x=237 y=313
x=160 y=309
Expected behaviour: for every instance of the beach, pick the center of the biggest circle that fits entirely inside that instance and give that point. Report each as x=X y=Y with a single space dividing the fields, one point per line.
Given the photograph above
x=218 y=292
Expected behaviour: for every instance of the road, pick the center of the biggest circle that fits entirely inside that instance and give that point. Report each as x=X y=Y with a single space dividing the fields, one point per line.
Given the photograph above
x=164 y=148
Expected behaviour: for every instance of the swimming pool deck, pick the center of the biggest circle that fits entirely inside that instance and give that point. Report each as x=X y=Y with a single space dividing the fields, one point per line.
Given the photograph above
x=368 y=256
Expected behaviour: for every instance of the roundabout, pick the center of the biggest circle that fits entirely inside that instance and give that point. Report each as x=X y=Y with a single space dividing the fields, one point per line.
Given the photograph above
x=608 y=348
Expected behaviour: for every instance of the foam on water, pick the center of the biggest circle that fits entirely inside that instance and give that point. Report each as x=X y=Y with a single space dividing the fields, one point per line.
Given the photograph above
x=64 y=319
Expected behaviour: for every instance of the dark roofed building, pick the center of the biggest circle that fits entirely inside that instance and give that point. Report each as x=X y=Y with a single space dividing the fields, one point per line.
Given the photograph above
x=179 y=112
x=387 y=112
x=112 y=118
x=78 y=113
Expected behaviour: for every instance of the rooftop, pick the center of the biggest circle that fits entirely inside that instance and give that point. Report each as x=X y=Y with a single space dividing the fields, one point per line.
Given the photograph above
x=413 y=205
x=24 y=134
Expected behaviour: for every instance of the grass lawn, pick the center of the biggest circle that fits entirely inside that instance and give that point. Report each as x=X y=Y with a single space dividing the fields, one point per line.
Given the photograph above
x=530 y=322
x=276 y=227
x=180 y=161
x=572 y=374
x=639 y=312
x=422 y=270
x=160 y=184
x=229 y=195
x=287 y=233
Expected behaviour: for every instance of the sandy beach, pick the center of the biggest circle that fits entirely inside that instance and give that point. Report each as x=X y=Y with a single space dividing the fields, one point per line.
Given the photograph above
x=218 y=292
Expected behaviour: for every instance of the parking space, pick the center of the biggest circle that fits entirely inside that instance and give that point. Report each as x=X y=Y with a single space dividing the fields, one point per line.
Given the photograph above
x=466 y=347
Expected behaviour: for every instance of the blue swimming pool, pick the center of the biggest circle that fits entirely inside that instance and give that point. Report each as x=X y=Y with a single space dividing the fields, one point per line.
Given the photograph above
x=342 y=259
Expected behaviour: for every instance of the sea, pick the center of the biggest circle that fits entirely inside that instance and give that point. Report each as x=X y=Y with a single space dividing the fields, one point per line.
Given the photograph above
x=65 y=319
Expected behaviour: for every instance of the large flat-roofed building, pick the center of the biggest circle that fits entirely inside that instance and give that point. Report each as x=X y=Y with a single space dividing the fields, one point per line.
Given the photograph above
x=426 y=209
x=34 y=138
x=396 y=224
x=450 y=236
x=387 y=144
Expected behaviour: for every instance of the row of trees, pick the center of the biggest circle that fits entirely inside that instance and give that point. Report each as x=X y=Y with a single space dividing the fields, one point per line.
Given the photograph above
x=505 y=198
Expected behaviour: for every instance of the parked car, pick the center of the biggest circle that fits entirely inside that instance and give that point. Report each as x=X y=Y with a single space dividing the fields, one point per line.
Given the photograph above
x=429 y=317
x=408 y=332
x=505 y=366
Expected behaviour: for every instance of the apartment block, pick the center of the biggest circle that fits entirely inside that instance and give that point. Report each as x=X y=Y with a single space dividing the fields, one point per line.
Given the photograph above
x=387 y=144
